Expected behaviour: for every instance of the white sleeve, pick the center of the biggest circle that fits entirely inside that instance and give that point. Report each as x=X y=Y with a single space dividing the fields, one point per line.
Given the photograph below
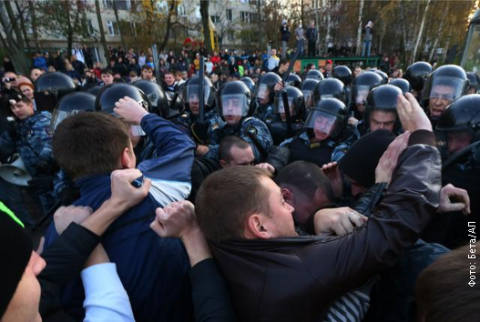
x=105 y=296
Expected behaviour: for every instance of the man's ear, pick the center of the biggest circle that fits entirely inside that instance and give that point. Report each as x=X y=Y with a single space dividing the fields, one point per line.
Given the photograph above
x=256 y=227
x=222 y=163
x=287 y=195
x=126 y=159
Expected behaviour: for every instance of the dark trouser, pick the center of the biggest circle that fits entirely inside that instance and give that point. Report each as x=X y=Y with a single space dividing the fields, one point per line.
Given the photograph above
x=311 y=48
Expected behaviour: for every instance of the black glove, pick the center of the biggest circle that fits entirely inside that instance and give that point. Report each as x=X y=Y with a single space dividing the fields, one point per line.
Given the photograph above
x=12 y=131
x=200 y=131
x=46 y=168
x=41 y=184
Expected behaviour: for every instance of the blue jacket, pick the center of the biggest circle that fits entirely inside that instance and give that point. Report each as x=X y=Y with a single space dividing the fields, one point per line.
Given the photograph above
x=153 y=270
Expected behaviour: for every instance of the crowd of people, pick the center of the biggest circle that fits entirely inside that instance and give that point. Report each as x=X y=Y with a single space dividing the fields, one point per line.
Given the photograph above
x=238 y=192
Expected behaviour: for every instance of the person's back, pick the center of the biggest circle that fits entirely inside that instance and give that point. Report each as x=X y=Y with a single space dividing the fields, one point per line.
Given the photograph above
x=153 y=271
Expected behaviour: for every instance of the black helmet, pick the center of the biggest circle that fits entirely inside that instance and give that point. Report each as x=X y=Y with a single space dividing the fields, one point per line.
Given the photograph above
x=401 y=83
x=175 y=104
x=156 y=96
x=295 y=101
x=417 y=73
x=463 y=115
x=474 y=82
x=363 y=84
x=314 y=74
x=307 y=88
x=94 y=90
x=329 y=116
x=343 y=73
x=452 y=76
x=49 y=89
x=328 y=88
x=233 y=99
x=293 y=80
x=190 y=93
x=382 y=74
x=383 y=98
x=249 y=82
x=71 y=104
x=112 y=93
x=265 y=86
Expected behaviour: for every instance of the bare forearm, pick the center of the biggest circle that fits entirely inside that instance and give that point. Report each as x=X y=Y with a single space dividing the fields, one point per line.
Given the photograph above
x=196 y=246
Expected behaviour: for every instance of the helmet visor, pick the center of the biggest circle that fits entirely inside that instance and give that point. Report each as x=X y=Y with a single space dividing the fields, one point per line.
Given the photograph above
x=192 y=94
x=321 y=122
x=444 y=87
x=360 y=94
x=263 y=91
x=234 y=105
x=308 y=98
x=59 y=116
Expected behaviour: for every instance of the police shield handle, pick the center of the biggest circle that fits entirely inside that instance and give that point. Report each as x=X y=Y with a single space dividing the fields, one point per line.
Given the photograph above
x=411 y=114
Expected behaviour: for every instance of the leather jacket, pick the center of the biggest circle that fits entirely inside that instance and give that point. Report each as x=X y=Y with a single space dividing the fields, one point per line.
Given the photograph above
x=299 y=278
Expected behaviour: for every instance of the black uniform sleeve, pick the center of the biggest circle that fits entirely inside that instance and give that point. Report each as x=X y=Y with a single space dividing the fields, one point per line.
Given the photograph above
x=65 y=260
x=211 y=298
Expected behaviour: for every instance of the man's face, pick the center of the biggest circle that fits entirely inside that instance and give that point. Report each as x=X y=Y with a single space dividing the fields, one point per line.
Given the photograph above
x=457 y=141
x=193 y=103
x=328 y=67
x=357 y=71
x=26 y=299
x=323 y=127
x=22 y=110
x=280 y=220
x=147 y=74
x=240 y=157
x=27 y=91
x=169 y=79
x=440 y=97
x=283 y=68
x=34 y=74
x=305 y=206
x=380 y=120
x=107 y=79
x=232 y=110
x=274 y=52
x=356 y=188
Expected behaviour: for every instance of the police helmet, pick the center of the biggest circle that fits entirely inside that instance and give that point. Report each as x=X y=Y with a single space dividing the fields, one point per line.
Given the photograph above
x=293 y=80
x=175 y=104
x=343 y=73
x=265 y=87
x=190 y=93
x=416 y=74
x=295 y=102
x=328 y=88
x=233 y=99
x=314 y=74
x=401 y=83
x=156 y=96
x=474 y=83
x=94 y=90
x=307 y=88
x=450 y=76
x=109 y=95
x=383 y=98
x=382 y=74
x=71 y=104
x=249 y=82
x=363 y=84
x=463 y=115
x=328 y=116
x=50 y=87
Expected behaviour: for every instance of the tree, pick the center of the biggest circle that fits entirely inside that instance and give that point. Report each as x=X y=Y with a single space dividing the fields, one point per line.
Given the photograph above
x=102 y=31
x=11 y=37
x=115 y=10
x=65 y=19
x=206 y=26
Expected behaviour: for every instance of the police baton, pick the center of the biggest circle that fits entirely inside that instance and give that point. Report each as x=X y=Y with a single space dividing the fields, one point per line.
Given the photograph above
x=201 y=80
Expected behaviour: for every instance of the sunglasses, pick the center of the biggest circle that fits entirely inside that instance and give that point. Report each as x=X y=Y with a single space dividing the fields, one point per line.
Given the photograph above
x=8 y=80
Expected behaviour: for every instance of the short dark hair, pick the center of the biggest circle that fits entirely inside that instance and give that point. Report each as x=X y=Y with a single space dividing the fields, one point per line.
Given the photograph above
x=107 y=71
x=17 y=98
x=226 y=199
x=283 y=61
x=227 y=144
x=88 y=144
x=442 y=291
x=147 y=67
x=305 y=177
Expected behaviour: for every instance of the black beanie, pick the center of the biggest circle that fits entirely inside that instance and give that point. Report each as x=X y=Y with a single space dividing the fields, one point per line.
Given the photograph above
x=362 y=158
x=15 y=250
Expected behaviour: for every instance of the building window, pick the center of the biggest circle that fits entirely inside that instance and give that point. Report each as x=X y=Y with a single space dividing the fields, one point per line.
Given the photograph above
x=112 y=28
x=229 y=15
x=215 y=19
x=231 y=35
x=123 y=4
x=245 y=16
x=181 y=11
x=108 y=4
x=90 y=28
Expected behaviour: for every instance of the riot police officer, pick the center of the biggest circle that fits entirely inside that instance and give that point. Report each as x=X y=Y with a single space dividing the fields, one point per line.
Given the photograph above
x=50 y=88
x=156 y=96
x=361 y=86
x=264 y=95
x=442 y=87
x=401 y=83
x=474 y=83
x=324 y=139
x=307 y=88
x=233 y=104
x=416 y=74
